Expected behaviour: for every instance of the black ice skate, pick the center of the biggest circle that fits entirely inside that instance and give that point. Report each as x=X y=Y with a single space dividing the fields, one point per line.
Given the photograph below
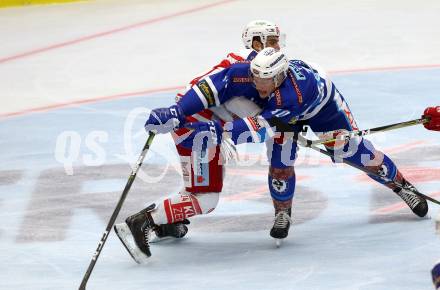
x=170 y=231
x=281 y=226
x=416 y=203
x=135 y=234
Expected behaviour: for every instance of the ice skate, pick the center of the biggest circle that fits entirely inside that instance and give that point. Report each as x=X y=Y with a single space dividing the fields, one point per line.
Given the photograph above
x=135 y=234
x=416 y=203
x=170 y=231
x=281 y=226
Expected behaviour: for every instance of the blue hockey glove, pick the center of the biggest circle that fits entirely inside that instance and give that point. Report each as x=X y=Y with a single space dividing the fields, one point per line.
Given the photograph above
x=205 y=134
x=165 y=120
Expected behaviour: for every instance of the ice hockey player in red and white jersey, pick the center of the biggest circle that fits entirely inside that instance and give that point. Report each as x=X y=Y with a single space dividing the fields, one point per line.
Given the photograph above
x=202 y=181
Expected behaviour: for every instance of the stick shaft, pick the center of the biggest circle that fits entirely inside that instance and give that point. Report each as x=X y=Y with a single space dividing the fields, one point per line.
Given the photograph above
x=116 y=211
x=283 y=127
x=368 y=171
x=374 y=130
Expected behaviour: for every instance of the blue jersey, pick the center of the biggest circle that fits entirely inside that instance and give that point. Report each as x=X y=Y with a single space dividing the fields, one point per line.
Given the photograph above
x=300 y=97
x=305 y=95
x=214 y=90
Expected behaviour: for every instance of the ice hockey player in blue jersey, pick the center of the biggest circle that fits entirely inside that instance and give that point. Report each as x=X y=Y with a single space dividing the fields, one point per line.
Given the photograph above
x=294 y=93
x=202 y=181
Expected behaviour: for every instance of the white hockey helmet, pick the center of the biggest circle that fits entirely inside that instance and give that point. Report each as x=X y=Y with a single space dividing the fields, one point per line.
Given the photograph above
x=262 y=29
x=270 y=63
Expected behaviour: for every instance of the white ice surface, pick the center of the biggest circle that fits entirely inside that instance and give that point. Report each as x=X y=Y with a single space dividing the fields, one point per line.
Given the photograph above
x=170 y=44
x=52 y=222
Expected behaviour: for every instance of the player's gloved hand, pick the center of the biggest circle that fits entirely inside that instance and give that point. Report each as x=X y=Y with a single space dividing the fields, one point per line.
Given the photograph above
x=434 y=114
x=165 y=120
x=205 y=134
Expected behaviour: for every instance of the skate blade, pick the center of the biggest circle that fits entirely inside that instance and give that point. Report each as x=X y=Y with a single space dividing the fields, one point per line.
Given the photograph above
x=124 y=234
x=278 y=242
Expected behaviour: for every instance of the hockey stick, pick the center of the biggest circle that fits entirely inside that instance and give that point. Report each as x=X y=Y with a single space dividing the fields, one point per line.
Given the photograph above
x=283 y=127
x=116 y=211
x=346 y=136
x=350 y=134
x=304 y=142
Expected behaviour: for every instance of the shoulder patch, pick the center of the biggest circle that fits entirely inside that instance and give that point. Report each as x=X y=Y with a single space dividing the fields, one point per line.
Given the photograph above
x=207 y=92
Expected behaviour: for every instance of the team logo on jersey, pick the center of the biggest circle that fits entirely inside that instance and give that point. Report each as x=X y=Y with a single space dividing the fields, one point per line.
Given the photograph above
x=207 y=92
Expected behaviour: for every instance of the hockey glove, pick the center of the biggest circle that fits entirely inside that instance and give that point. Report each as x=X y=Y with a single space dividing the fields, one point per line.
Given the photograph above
x=434 y=114
x=165 y=120
x=205 y=134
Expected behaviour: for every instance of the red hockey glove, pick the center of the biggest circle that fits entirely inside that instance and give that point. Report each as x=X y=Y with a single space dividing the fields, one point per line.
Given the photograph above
x=434 y=114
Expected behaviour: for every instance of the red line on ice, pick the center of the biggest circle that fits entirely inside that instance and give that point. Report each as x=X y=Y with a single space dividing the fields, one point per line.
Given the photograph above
x=124 y=95
x=87 y=101
x=109 y=32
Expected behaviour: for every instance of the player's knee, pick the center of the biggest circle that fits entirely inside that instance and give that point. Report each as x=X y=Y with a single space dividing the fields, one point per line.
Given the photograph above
x=282 y=183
